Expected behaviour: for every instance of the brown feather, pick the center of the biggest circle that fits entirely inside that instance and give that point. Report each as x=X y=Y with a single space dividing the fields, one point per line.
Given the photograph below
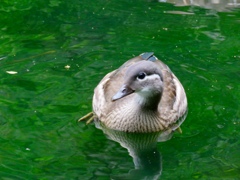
x=124 y=115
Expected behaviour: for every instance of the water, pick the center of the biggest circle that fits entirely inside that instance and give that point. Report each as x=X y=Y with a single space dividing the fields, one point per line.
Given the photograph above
x=53 y=54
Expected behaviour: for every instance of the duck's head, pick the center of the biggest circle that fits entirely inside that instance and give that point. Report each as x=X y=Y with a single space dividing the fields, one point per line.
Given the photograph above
x=143 y=78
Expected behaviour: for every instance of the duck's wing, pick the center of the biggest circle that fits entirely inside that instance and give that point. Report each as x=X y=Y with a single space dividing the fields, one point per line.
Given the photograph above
x=173 y=104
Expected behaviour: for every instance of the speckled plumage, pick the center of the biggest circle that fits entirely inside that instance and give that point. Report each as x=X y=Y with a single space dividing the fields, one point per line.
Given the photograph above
x=154 y=103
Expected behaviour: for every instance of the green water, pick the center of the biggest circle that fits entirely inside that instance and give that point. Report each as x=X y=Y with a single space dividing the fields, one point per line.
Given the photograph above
x=52 y=55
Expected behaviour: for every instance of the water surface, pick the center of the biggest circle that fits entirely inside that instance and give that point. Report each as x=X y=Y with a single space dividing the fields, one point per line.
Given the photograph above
x=53 y=54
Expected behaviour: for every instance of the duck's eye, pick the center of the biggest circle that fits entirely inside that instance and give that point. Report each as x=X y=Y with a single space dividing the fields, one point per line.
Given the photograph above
x=141 y=75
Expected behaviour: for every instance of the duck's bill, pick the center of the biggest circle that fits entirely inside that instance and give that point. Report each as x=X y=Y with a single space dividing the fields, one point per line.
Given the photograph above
x=124 y=91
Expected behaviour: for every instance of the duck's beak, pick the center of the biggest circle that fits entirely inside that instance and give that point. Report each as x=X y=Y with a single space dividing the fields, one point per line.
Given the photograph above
x=124 y=91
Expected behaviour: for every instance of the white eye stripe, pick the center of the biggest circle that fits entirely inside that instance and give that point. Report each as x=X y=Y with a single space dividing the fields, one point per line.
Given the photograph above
x=141 y=79
x=150 y=77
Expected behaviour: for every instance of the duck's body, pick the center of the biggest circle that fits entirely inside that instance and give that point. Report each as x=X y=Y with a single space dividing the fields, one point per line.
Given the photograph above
x=143 y=95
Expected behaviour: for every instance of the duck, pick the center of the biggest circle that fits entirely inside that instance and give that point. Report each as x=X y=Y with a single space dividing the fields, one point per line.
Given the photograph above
x=143 y=96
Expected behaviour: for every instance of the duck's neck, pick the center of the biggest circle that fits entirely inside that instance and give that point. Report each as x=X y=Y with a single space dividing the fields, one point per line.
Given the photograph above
x=149 y=102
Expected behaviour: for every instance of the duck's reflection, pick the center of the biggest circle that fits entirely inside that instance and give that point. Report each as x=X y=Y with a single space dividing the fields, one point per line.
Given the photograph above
x=142 y=147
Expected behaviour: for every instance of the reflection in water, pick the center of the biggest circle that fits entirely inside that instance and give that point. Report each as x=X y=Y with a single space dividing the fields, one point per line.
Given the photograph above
x=218 y=5
x=142 y=147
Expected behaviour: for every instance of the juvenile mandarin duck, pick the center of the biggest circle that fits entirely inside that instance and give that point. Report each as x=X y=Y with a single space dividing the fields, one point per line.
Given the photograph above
x=143 y=95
